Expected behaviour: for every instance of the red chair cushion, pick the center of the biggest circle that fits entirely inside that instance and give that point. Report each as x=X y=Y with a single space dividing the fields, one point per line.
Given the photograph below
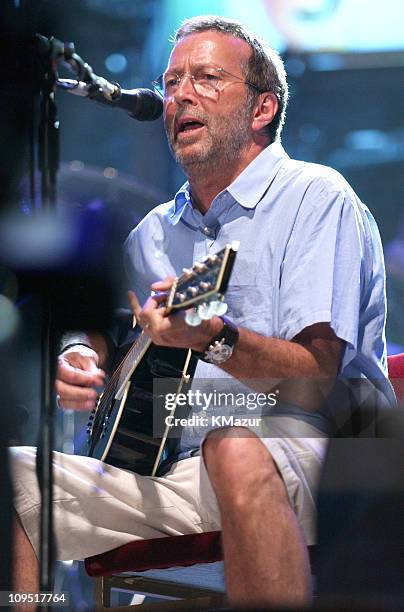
x=158 y=553
x=396 y=374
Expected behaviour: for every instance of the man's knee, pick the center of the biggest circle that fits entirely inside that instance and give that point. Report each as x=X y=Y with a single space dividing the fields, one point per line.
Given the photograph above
x=239 y=465
x=227 y=446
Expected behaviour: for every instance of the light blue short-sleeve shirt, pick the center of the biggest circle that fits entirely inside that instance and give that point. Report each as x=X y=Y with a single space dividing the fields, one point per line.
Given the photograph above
x=310 y=252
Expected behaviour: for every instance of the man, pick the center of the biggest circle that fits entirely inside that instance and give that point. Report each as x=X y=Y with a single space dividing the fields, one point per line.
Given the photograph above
x=306 y=300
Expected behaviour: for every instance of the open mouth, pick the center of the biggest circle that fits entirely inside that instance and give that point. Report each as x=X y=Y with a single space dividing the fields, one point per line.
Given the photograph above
x=188 y=126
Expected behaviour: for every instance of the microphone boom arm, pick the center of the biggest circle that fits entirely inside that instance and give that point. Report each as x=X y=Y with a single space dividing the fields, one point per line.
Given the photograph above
x=141 y=104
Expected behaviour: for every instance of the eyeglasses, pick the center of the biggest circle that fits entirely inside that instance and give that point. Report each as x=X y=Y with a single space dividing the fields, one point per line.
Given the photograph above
x=207 y=81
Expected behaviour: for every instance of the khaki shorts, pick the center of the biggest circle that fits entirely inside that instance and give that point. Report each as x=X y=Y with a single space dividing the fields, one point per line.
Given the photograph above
x=98 y=507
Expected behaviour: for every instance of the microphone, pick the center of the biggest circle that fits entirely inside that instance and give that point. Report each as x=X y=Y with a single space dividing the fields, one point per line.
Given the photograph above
x=141 y=104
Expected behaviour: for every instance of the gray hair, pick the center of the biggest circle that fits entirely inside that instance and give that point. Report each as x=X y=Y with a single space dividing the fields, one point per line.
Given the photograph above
x=264 y=68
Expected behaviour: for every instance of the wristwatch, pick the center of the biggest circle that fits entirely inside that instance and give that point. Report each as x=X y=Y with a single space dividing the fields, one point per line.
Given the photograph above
x=221 y=347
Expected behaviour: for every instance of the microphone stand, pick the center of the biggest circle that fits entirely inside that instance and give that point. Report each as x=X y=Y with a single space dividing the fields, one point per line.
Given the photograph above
x=48 y=160
x=50 y=52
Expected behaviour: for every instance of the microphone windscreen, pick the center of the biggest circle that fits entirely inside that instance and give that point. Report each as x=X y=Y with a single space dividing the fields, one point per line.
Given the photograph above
x=149 y=105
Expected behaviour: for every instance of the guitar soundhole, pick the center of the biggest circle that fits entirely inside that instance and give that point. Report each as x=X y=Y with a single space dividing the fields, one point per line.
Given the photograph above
x=167 y=362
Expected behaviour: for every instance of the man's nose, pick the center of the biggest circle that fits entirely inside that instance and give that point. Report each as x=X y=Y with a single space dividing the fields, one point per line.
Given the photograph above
x=185 y=91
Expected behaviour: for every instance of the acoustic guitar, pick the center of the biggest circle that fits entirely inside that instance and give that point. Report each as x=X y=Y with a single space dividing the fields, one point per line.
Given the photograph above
x=121 y=428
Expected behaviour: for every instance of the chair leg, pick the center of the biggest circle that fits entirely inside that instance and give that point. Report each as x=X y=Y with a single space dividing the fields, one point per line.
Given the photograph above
x=189 y=597
x=102 y=593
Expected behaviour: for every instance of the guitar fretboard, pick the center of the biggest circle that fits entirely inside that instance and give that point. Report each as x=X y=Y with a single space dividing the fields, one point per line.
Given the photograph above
x=131 y=361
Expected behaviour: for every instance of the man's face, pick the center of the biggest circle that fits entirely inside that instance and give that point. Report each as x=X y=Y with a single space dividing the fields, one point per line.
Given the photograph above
x=208 y=131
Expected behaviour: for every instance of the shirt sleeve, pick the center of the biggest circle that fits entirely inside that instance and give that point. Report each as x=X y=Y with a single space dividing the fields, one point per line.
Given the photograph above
x=133 y=263
x=322 y=275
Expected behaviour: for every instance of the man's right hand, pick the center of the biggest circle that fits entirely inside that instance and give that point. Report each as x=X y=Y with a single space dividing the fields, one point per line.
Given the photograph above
x=77 y=375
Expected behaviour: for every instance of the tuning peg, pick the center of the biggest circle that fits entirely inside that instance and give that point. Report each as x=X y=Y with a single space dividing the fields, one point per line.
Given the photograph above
x=187 y=271
x=192 y=318
x=200 y=267
x=181 y=297
x=193 y=291
x=204 y=285
x=205 y=311
x=218 y=307
x=212 y=259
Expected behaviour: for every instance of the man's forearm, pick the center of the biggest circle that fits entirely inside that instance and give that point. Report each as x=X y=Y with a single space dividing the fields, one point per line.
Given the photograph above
x=302 y=370
x=257 y=356
x=313 y=353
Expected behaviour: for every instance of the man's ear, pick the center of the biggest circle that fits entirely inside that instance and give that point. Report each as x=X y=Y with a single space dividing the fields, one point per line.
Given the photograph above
x=265 y=110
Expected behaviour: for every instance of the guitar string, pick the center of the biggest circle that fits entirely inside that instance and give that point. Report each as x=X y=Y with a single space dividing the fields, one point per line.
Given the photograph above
x=108 y=395
x=116 y=375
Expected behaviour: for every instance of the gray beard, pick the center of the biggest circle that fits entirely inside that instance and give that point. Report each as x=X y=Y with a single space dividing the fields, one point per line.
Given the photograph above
x=222 y=147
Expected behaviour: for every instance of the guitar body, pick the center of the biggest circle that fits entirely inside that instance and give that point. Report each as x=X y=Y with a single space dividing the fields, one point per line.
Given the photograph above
x=122 y=432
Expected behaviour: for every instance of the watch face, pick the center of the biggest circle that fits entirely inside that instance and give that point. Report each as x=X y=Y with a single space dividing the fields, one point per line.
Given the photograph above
x=220 y=353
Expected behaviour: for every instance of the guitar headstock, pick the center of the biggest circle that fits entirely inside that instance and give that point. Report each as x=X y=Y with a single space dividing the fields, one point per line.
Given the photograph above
x=203 y=286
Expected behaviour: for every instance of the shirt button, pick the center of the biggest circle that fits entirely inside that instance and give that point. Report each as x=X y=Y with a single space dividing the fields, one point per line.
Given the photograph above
x=207 y=231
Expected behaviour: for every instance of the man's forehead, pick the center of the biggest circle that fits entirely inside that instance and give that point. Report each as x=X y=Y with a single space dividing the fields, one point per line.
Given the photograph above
x=209 y=47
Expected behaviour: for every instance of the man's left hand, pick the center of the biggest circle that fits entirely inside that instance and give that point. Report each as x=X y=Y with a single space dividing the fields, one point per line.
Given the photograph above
x=171 y=330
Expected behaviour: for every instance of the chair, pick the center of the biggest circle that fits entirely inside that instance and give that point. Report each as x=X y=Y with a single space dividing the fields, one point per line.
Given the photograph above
x=164 y=553
x=179 y=551
x=157 y=554
x=396 y=375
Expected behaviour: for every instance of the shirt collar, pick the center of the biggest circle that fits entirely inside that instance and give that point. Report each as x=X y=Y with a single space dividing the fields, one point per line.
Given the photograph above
x=181 y=199
x=248 y=188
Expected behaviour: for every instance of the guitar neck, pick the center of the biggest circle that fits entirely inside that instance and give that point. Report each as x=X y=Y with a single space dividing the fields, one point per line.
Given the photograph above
x=130 y=362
